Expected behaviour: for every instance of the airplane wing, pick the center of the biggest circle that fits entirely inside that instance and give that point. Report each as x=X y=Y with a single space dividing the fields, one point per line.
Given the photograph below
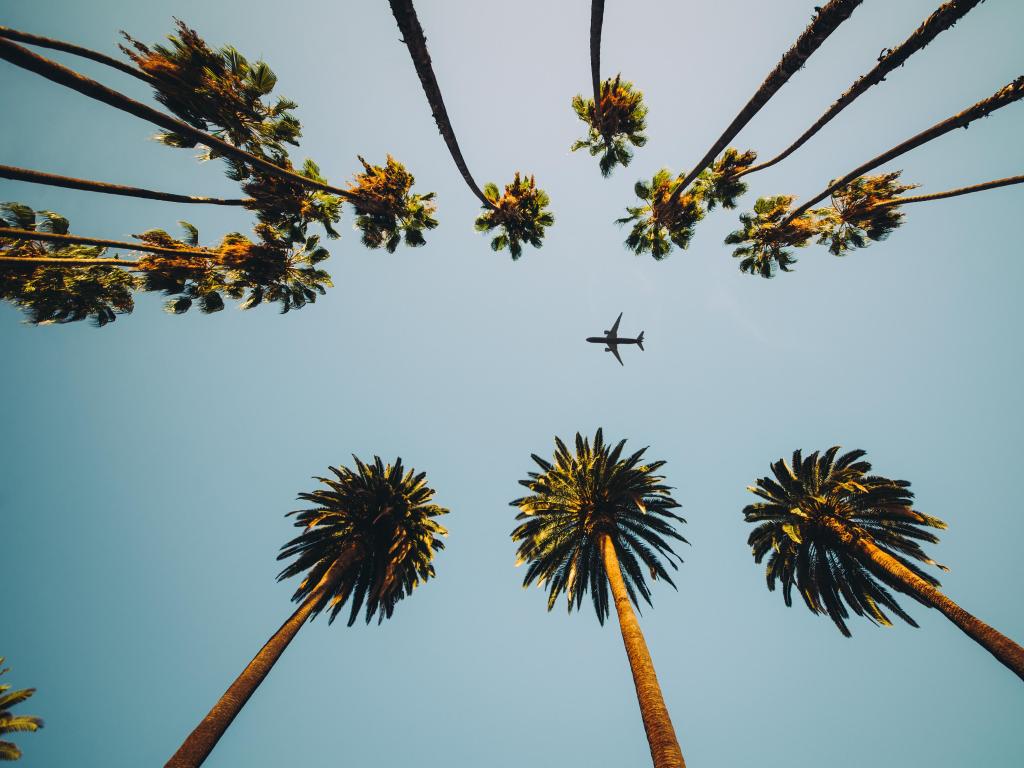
x=614 y=349
x=615 y=328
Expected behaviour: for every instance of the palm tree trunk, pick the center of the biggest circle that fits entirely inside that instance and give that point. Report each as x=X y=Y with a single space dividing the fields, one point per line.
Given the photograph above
x=660 y=734
x=596 y=22
x=197 y=747
x=826 y=21
x=52 y=237
x=942 y=19
x=51 y=70
x=77 y=50
x=951 y=192
x=68 y=182
x=44 y=260
x=1006 y=95
x=416 y=42
x=902 y=578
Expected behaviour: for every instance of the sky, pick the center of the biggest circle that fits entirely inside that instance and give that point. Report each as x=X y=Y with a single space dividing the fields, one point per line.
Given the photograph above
x=147 y=467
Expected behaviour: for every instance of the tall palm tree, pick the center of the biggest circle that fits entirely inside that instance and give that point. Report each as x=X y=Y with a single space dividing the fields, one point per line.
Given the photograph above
x=663 y=219
x=596 y=520
x=944 y=17
x=369 y=539
x=11 y=723
x=766 y=236
x=841 y=535
x=521 y=213
x=616 y=116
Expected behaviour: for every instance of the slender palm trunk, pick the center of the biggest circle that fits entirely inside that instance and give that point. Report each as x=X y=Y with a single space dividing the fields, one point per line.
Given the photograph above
x=52 y=237
x=51 y=70
x=596 y=22
x=416 y=42
x=826 y=21
x=197 y=747
x=68 y=182
x=942 y=19
x=660 y=734
x=131 y=266
x=1006 y=95
x=951 y=192
x=899 y=576
x=77 y=50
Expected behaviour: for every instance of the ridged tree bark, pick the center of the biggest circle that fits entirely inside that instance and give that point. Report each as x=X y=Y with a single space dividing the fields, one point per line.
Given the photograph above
x=596 y=23
x=1009 y=653
x=661 y=736
x=57 y=73
x=416 y=42
x=77 y=50
x=951 y=192
x=197 y=747
x=826 y=21
x=69 y=182
x=942 y=19
x=52 y=237
x=1006 y=95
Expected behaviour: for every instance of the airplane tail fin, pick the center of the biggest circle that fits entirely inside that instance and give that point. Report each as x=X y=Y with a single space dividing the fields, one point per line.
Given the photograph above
x=640 y=340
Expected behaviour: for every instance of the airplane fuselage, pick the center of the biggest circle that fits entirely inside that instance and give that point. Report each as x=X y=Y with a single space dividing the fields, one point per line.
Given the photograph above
x=611 y=340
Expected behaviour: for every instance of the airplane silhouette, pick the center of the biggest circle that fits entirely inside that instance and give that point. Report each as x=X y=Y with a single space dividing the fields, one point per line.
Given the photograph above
x=612 y=340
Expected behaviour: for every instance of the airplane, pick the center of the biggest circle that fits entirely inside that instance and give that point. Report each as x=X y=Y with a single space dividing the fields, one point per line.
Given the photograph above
x=612 y=340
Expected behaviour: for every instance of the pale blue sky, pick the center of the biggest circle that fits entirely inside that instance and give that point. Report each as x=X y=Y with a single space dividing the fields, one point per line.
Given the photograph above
x=147 y=466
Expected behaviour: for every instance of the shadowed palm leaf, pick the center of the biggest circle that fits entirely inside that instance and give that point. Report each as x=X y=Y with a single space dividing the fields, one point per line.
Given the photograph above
x=578 y=499
x=397 y=214
x=619 y=122
x=763 y=240
x=664 y=219
x=520 y=213
x=11 y=723
x=808 y=505
x=854 y=219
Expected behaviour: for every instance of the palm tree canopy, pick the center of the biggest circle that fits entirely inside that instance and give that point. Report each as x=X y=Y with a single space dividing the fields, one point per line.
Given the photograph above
x=577 y=500
x=11 y=723
x=379 y=521
x=854 y=217
x=620 y=121
x=395 y=213
x=288 y=207
x=767 y=233
x=803 y=507
x=664 y=219
x=720 y=183
x=520 y=213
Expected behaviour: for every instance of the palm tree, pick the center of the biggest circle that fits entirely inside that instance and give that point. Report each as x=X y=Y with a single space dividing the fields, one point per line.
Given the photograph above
x=369 y=539
x=10 y=723
x=397 y=214
x=616 y=115
x=597 y=520
x=663 y=219
x=521 y=212
x=767 y=235
x=944 y=17
x=842 y=535
x=856 y=217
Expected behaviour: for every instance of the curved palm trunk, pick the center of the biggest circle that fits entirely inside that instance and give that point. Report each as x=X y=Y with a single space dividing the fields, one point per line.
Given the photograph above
x=131 y=266
x=77 y=50
x=416 y=42
x=826 y=21
x=68 y=182
x=899 y=576
x=1006 y=95
x=51 y=70
x=951 y=192
x=52 y=237
x=596 y=22
x=942 y=19
x=660 y=734
x=197 y=747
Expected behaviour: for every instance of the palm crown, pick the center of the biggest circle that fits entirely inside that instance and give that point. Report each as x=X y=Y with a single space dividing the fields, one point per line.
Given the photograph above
x=809 y=508
x=11 y=723
x=767 y=233
x=520 y=213
x=377 y=522
x=393 y=213
x=855 y=217
x=720 y=183
x=582 y=497
x=663 y=219
x=620 y=121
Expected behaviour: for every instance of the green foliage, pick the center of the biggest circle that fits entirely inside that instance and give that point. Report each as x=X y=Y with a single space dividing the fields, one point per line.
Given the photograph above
x=50 y=293
x=286 y=206
x=718 y=184
x=854 y=217
x=218 y=91
x=765 y=237
x=663 y=219
x=578 y=499
x=380 y=524
x=802 y=508
x=386 y=210
x=520 y=214
x=11 y=723
x=620 y=121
